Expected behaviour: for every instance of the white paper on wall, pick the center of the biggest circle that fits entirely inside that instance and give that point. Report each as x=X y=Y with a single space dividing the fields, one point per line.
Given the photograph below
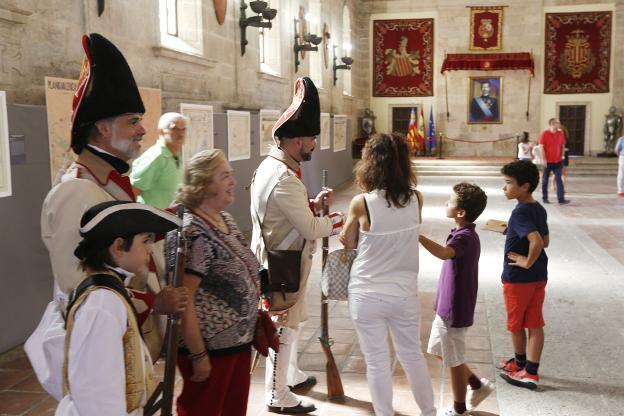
x=268 y=118
x=325 y=131
x=5 y=156
x=340 y=133
x=200 y=129
x=239 y=126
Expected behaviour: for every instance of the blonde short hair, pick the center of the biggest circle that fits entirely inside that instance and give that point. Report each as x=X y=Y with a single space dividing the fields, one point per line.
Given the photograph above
x=198 y=176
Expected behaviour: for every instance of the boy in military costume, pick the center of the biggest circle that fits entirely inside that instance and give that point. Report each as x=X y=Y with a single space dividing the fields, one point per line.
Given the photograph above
x=107 y=368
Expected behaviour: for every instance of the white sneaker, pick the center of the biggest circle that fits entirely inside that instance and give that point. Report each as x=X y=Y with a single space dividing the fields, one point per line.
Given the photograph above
x=474 y=397
x=450 y=411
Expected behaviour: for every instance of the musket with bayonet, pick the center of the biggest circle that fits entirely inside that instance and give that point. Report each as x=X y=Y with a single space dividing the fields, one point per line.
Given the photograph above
x=334 y=383
x=162 y=398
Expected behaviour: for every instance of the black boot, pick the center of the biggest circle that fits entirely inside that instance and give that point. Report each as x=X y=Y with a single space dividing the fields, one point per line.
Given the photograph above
x=309 y=382
x=300 y=409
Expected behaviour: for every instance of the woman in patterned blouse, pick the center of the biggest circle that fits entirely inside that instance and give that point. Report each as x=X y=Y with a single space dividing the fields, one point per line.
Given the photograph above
x=221 y=274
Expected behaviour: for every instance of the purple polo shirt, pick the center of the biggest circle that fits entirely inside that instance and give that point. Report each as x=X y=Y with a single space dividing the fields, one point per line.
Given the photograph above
x=459 y=278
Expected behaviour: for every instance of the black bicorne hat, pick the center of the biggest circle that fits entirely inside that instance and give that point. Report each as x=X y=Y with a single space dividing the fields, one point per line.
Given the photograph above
x=101 y=224
x=303 y=117
x=106 y=88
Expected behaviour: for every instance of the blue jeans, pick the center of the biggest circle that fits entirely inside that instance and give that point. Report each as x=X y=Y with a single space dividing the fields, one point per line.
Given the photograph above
x=557 y=168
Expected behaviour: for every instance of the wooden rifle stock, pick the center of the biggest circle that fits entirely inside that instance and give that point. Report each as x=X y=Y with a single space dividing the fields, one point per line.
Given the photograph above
x=164 y=390
x=334 y=383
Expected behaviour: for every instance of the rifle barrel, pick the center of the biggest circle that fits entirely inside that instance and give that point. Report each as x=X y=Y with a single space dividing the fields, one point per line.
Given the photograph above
x=334 y=383
x=165 y=388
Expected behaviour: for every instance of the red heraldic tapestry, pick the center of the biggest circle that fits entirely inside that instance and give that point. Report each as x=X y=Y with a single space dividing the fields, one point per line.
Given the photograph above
x=403 y=58
x=578 y=52
x=486 y=28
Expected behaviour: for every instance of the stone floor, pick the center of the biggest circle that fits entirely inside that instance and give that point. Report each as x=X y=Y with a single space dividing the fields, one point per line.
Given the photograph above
x=581 y=371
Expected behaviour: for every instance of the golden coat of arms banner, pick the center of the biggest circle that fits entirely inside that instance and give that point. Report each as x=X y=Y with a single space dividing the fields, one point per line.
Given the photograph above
x=577 y=52
x=403 y=58
x=486 y=28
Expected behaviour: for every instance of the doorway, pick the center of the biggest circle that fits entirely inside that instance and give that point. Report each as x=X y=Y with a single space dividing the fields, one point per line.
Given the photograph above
x=400 y=117
x=573 y=122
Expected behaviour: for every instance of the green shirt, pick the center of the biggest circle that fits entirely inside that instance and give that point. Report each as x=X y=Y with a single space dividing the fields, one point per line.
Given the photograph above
x=157 y=174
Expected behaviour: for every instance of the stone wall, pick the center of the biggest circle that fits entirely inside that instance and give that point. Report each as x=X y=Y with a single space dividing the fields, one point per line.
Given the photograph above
x=523 y=31
x=42 y=38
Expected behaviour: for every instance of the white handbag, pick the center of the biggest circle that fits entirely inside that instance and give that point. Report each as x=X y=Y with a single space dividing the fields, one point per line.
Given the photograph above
x=335 y=277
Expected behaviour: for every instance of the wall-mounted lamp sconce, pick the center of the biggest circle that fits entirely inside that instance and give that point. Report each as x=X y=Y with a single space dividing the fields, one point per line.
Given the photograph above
x=262 y=12
x=304 y=41
x=347 y=61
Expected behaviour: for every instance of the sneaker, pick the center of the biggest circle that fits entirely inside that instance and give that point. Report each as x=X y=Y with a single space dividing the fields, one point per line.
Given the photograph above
x=564 y=202
x=509 y=365
x=521 y=379
x=450 y=411
x=474 y=397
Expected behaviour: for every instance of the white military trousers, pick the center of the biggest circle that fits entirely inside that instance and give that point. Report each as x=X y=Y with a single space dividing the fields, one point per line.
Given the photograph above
x=282 y=371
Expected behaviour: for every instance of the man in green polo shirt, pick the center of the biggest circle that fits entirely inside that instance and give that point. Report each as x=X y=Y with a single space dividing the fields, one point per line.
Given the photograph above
x=157 y=173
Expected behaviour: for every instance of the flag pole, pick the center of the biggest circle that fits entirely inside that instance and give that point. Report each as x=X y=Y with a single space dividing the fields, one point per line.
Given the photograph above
x=529 y=91
x=446 y=95
x=446 y=91
x=528 y=98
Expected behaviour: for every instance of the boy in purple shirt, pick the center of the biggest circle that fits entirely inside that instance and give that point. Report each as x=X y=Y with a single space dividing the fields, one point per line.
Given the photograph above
x=457 y=297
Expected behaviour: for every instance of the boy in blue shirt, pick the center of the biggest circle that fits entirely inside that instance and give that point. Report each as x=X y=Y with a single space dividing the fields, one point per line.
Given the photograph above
x=524 y=274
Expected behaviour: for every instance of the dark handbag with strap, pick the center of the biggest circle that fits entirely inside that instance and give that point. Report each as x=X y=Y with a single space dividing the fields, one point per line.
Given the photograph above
x=283 y=276
x=284 y=271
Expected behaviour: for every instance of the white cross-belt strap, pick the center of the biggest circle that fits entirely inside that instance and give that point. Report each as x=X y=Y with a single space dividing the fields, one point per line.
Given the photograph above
x=288 y=240
x=259 y=204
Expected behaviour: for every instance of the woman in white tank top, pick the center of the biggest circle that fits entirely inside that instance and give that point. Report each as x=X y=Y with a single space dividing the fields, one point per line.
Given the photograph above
x=383 y=225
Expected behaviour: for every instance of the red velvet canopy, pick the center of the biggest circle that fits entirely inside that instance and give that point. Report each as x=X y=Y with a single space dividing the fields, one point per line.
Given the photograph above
x=488 y=61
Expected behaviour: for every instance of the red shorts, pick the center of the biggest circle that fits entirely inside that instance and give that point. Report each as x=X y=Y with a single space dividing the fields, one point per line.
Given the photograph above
x=524 y=302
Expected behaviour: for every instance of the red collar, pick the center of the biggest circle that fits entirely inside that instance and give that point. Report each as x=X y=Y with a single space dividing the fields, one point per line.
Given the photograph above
x=297 y=172
x=124 y=183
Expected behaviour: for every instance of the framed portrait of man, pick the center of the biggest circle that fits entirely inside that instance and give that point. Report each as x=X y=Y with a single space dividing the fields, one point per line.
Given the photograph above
x=485 y=100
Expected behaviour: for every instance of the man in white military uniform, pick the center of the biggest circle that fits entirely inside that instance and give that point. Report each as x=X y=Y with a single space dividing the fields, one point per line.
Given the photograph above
x=284 y=218
x=106 y=133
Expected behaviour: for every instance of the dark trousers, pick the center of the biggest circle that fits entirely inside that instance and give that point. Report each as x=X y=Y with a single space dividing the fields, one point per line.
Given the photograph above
x=557 y=168
x=224 y=393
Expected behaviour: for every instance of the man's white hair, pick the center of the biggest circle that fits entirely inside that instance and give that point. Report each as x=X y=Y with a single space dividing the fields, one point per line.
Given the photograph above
x=167 y=120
